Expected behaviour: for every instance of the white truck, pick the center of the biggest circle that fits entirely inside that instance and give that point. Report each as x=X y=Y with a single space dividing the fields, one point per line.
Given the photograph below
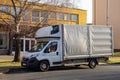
x=65 y=45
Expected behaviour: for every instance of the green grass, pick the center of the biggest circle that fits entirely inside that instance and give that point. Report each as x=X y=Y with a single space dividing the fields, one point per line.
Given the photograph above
x=9 y=63
x=117 y=54
x=6 y=64
x=114 y=60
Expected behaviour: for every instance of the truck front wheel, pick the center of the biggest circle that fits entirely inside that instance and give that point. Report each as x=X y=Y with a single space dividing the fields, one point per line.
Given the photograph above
x=44 y=66
x=92 y=63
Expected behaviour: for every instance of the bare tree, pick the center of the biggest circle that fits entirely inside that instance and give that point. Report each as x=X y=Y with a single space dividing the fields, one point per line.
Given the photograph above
x=60 y=3
x=20 y=11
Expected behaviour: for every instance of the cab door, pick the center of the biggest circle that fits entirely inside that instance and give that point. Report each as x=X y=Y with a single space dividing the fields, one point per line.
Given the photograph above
x=52 y=53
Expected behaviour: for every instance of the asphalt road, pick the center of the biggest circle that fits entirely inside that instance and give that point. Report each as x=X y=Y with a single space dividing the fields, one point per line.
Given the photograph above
x=102 y=72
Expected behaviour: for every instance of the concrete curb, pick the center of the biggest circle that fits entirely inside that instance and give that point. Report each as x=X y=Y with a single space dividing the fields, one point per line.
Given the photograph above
x=5 y=71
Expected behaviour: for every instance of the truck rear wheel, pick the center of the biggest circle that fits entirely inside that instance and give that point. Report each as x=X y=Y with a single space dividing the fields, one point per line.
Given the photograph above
x=92 y=63
x=44 y=66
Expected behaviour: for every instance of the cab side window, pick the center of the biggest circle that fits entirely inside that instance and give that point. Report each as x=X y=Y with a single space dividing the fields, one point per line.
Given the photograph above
x=52 y=47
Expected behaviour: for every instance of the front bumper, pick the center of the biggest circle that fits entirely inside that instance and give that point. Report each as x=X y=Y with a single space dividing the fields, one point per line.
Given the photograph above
x=29 y=63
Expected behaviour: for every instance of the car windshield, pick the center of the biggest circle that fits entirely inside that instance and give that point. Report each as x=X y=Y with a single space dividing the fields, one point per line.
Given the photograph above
x=38 y=47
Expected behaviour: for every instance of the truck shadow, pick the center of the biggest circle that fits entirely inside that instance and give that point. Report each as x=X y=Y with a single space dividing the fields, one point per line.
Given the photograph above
x=25 y=70
x=67 y=68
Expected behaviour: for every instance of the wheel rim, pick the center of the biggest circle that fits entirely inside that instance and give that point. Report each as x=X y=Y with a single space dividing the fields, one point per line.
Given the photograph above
x=92 y=64
x=44 y=66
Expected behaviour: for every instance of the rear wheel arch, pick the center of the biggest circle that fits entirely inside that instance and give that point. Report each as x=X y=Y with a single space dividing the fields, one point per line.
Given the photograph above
x=96 y=60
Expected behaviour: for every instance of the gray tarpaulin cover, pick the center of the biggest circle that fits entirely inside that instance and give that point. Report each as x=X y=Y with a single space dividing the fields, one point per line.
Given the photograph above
x=83 y=41
x=75 y=40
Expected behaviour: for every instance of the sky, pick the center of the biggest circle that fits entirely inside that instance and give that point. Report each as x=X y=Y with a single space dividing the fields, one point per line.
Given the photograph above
x=87 y=5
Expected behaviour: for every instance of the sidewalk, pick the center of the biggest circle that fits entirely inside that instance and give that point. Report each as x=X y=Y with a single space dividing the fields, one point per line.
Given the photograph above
x=9 y=57
x=6 y=57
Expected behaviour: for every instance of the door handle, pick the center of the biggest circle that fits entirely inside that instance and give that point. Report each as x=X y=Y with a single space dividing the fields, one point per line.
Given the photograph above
x=57 y=53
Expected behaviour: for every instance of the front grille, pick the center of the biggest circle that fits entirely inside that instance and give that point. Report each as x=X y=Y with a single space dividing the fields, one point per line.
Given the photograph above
x=25 y=59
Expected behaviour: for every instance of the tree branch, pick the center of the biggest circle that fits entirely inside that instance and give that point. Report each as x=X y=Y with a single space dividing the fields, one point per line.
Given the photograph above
x=9 y=25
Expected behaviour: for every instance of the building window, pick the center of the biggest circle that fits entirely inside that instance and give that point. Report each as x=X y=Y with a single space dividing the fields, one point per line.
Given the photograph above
x=67 y=17
x=44 y=16
x=60 y=16
x=35 y=16
x=74 y=17
x=3 y=40
x=5 y=9
x=26 y=16
x=52 y=15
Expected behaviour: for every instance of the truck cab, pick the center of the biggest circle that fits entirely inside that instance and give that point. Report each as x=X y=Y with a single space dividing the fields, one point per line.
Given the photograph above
x=47 y=52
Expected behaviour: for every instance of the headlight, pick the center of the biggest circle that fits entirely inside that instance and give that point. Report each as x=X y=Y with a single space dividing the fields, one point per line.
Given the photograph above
x=34 y=55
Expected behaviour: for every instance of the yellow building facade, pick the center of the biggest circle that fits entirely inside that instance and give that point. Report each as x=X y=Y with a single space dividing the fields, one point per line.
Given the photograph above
x=46 y=14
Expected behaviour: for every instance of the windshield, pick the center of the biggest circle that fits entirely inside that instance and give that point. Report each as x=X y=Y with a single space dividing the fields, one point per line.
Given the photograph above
x=38 y=47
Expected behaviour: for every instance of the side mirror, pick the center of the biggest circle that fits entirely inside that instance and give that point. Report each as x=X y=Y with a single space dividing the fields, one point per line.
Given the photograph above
x=57 y=53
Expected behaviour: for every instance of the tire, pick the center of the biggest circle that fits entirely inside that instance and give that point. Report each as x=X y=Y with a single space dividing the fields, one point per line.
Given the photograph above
x=44 y=66
x=92 y=63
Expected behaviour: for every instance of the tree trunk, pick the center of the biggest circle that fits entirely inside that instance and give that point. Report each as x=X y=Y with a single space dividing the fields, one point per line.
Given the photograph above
x=17 y=49
x=10 y=43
